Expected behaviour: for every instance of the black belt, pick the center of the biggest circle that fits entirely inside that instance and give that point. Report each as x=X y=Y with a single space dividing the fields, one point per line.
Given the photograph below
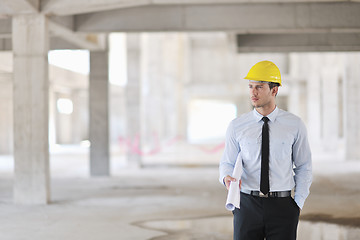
x=269 y=195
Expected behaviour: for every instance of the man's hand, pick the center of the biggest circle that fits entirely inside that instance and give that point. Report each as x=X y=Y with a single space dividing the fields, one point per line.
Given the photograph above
x=228 y=179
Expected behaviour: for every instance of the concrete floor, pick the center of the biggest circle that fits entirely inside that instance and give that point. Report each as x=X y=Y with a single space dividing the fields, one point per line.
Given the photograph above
x=167 y=203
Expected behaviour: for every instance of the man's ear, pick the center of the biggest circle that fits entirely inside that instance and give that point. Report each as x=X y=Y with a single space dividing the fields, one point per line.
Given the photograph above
x=275 y=90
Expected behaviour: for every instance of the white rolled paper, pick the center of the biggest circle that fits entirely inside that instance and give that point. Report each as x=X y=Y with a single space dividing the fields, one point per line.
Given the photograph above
x=233 y=197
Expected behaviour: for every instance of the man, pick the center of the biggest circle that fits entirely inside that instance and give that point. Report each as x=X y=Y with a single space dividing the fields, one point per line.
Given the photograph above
x=276 y=159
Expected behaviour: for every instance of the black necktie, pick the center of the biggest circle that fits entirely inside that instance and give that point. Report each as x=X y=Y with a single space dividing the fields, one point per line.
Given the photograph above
x=264 y=180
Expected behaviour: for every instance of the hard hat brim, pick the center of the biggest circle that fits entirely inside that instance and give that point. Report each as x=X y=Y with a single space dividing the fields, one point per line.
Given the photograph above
x=263 y=80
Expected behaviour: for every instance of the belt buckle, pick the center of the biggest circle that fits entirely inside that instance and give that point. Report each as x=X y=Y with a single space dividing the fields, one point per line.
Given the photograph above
x=263 y=195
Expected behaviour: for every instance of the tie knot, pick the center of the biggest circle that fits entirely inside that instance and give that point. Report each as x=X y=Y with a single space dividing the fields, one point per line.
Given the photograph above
x=265 y=119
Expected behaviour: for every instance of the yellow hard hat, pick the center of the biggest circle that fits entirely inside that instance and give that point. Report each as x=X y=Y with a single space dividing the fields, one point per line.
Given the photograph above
x=264 y=71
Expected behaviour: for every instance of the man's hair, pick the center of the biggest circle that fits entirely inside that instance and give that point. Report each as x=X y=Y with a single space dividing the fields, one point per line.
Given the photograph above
x=272 y=85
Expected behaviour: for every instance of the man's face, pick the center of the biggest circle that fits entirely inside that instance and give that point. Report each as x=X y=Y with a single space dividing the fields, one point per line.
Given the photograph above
x=261 y=95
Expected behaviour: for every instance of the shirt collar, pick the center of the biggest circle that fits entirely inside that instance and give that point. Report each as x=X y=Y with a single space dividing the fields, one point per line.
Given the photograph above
x=272 y=116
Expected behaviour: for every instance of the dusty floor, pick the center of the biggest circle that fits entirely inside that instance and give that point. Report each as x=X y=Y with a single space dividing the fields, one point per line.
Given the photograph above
x=170 y=203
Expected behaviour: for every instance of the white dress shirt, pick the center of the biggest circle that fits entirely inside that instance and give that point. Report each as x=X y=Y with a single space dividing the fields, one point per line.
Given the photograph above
x=290 y=164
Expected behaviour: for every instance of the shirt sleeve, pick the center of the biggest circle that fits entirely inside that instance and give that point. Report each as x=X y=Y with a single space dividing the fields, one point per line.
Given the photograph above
x=301 y=155
x=230 y=154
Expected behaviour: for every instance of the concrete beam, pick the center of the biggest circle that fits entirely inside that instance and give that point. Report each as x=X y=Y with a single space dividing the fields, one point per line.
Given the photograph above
x=82 y=41
x=20 y=6
x=241 y=18
x=65 y=21
x=298 y=42
x=60 y=27
x=70 y=7
x=56 y=43
x=5 y=24
x=209 y=2
x=63 y=27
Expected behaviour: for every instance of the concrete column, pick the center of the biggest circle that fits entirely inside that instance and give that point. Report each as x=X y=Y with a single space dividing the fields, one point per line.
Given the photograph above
x=185 y=78
x=163 y=59
x=31 y=93
x=6 y=117
x=52 y=115
x=330 y=108
x=314 y=106
x=351 y=108
x=172 y=61
x=297 y=98
x=99 y=114
x=64 y=126
x=152 y=97
x=133 y=91
x=80 y=115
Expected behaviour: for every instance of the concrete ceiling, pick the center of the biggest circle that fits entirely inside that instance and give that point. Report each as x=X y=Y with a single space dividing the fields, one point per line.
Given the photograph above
x=299 y=25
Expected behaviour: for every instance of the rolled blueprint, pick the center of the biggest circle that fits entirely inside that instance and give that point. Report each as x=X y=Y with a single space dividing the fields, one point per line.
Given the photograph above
x=233 y=197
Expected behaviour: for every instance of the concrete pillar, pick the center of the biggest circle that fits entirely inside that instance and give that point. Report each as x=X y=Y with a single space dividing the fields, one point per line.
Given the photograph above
x=133 y=91
x=330 y=108
x=314 y=102
x=297 y=98
x=99 y=114
x=30 y=87
x=64 y=126
x=52 y=115
x=6 y=117
x=351 y=108
x=153 y=124
x=162 y=84
x=185 y=78
x=80 y=115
